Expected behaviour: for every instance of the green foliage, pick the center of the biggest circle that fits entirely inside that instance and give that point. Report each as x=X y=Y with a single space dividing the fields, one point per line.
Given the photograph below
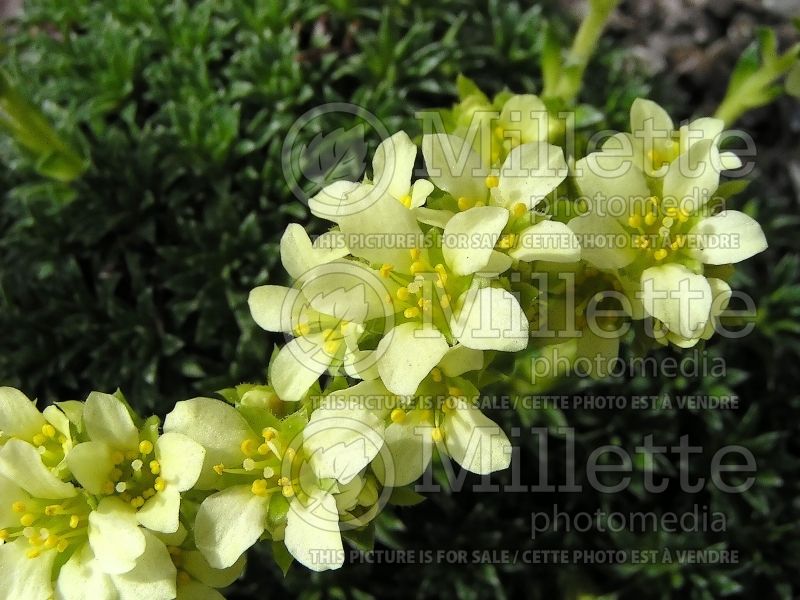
x=136 y=275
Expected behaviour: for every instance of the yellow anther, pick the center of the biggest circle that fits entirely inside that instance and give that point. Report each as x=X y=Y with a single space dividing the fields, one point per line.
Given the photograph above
x=464 y=203
x=436 y=374
x=18 y=507
x=415 y=253
x=263 y=449
x=492 y=181
x=49 y=430
x=155 y=467
x=398 y=415
x=519 y=209
x=107 y=488
x=131 y=454
x=302 y=329
x=417 y=267
x=27 y=520
x=3 y=535
x=287 y=491
x=117 y=457
x=268 y=433
x=480 y=203
x=160 y=484
x=145 y=447
x=35 y=540
x=386 y=270
x=649 y=219
x=455 y=391
x=327 y=333
x=51 y=541
x=411 y=312
x=331 y=346
x=53 y=509
x=680 y=239
x=137 y=502
x=39 y=439
x=444 y=301
x=635 y=220
x=402 y=293
x=62 y=545
x=507 y=241
x=148 y=493
x=406 y=200
x=671 y=211
x=249 y=447
x=660 y=254
x=126 y=497
x=437 y=434
x=451 y=403
x=499 y=131
x=33 y=553
x=682 y=216
x=282 y=481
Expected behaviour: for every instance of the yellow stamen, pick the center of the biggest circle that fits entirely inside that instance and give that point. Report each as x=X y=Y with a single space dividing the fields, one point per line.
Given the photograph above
x=18 y=507
x=155 y=467
x=49 y=430
x=649 y=219
x=436 y=374
x=492 y=181
x=660 y=254
x=117 y=457
x=415 y=253
x=411 y=313
x=27 y=520
x=519 y=209
x=160 y=484
x=406 y=200
x=437 y=434
x=249 y=447
x=386 y=269
x=402 y=293
x=635 y=221
x=39 y=439
x=398 y=415
x=145 y=447
x=302 y=329
x=62 y=545
x=33 y=553
x=416 y=267
x=287 y=491
x=464 y=204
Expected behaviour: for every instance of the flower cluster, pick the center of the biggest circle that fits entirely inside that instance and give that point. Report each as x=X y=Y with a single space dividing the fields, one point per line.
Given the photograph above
x=394 y=318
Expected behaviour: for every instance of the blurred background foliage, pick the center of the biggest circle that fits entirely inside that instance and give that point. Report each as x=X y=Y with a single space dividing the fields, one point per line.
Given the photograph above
x=136 y=274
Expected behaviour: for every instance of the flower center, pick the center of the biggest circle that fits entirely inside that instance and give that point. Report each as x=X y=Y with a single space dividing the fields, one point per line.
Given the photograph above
x=660 y=228
x=48 y=525
x=135 y=477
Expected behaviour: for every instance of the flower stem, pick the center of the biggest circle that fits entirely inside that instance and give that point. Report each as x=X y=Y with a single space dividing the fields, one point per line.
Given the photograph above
x=582 y=49
x=29 y=128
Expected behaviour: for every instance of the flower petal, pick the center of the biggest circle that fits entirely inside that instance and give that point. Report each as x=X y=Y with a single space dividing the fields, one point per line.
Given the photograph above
x=454 y=166
x=197 y=566
x=530 y=172
x=296 y=367
x=646 y=115
x=549 y=240
x=407 y=354
x=475 y=442
x=217 y=427
x=526 y=115
x=409 y=447
x=604 y=243
x=81 y=578
x=24 y=578
x=18 y=415
x=460 y=359
x=108 y=420
x=420 y=190
x=194 y=590
x=490 y=319
x=346 y=432
x=21 y=463
x=153 y=577
x=115 y=536
x=274 y=307
x=692 y=178
x=677 y=297
x=312 y=533
x=470 y=237
x=91 y=464
x=607 y=179
x=181 y=460
x=729 y=237
x=160 y=513
x=393 y=164
x=431 y=216
x=228 y=523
